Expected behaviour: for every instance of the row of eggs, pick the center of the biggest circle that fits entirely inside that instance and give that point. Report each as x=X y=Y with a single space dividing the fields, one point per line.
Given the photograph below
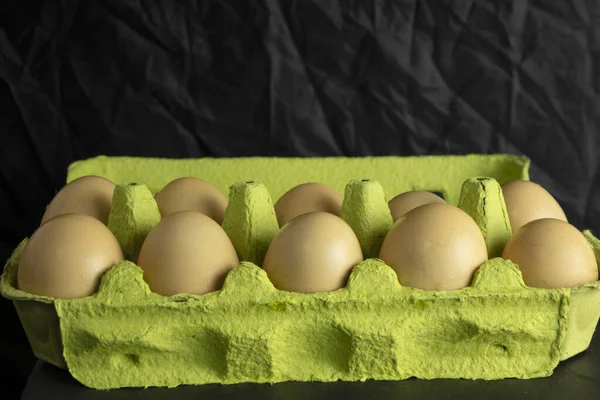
x=431 y=246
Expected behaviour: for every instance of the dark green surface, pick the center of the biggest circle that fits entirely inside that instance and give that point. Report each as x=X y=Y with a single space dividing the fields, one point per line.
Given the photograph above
x=576 y=378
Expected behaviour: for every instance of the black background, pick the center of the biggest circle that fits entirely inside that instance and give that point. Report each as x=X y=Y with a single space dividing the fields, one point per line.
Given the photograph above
x=290 y=78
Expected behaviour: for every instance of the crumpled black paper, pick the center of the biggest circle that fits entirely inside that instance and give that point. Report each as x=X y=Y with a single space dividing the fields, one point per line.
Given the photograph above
x=295 y=78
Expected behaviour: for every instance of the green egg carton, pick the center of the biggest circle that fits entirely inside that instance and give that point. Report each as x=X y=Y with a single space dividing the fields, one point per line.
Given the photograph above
x=127 y=336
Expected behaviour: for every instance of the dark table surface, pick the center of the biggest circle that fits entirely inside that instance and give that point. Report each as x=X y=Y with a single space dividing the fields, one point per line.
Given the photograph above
x=576 y=378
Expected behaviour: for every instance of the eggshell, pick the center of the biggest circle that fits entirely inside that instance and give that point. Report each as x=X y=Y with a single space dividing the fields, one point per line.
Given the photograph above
x=187 y=252
x=527 y=201
x=88 y=195
x=552 y=254
x=305 y=198
x=66 y=257
x=192 y=194
x=407 y=201
x=314 y=252
x=434 y=247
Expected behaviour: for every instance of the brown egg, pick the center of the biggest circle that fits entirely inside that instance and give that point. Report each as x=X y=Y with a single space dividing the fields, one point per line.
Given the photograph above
x=192 y=194
x=552 y=254
x=405 y=202
x=434 y=247
x=314 y=252
x=187 y=252
x=88 y=195
x=305 y=198
x=527 y=201
x=66 y=257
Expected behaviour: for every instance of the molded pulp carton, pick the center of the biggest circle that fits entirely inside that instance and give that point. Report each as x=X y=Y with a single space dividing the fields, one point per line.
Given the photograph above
x=125 y=335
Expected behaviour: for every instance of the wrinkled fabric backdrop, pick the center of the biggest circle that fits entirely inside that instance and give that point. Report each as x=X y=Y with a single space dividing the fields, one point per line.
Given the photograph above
x=291 y=78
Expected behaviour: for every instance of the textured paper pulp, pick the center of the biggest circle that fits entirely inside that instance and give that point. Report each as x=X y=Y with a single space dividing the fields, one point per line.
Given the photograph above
x=443 y=174
x=124 y=335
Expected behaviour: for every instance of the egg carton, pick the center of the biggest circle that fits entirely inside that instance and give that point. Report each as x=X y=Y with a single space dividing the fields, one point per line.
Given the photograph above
x=374 y=328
